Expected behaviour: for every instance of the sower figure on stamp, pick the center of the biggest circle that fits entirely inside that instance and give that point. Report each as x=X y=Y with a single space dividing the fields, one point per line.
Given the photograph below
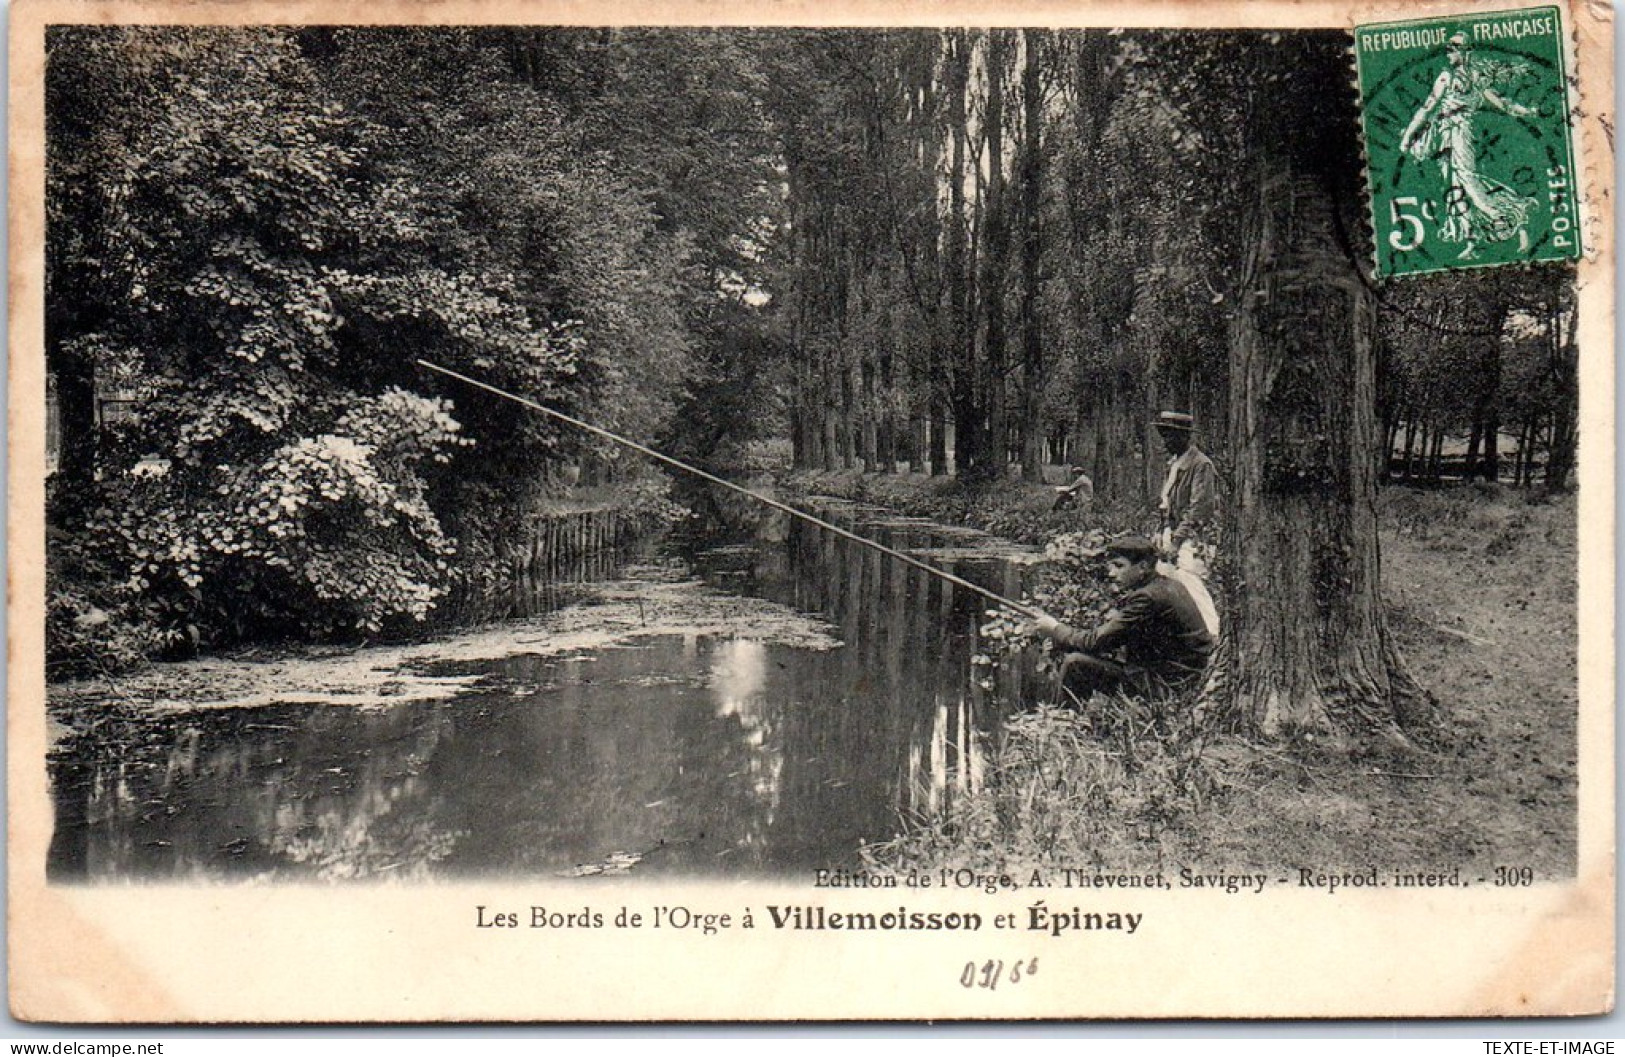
x=1478 y=209
x=1189 y=494
x=1154 y=641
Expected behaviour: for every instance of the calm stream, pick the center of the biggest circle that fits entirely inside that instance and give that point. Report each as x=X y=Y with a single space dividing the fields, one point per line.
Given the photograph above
x=845 y=703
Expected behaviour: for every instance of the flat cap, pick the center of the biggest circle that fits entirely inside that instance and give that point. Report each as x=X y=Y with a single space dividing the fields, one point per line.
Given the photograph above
x=1134 y=548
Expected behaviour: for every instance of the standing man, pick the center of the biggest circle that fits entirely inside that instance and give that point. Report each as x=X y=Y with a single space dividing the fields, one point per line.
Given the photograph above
x=1189 y=494
x=1155 y=639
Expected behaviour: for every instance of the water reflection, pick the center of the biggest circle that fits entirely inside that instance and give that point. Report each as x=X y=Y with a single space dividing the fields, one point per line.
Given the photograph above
x=695 y=754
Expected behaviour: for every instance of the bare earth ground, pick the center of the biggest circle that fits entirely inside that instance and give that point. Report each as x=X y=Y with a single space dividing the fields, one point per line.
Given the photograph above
x=1481 y=593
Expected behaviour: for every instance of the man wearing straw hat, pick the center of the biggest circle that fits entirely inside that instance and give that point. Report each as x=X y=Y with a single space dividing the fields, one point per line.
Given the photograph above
x=1189 y=494
x=1079 y=495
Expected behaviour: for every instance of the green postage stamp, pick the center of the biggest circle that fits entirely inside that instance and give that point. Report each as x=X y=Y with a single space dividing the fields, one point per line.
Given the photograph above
x=1470 y=155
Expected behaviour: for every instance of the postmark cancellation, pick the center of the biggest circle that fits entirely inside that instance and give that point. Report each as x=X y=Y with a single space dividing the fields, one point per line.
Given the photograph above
x=1469 y=141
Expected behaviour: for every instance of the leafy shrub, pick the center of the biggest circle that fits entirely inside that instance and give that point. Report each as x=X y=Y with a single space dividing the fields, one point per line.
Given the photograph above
x=325 y=533
x=1070 y=585
x=261 y=258
x=94 y=624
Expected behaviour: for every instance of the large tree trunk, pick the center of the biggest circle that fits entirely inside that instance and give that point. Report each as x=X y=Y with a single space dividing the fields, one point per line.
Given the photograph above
x=1310 y=649
x=964 y=405
x=995 y=259
x=1565 y=408
x=1032 y=177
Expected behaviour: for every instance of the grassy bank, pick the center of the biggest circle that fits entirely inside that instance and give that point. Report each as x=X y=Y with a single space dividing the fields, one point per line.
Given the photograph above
x=1480 y=592
x=1012 y=508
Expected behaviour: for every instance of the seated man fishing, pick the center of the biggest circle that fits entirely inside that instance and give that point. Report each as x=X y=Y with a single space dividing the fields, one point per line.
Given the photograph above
x=1155 y=640
x=1080 y=494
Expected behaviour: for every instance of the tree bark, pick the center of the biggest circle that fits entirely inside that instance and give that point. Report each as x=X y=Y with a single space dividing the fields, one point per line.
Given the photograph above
x=1032 y=179
x=1310 y=647
x=1560 y=455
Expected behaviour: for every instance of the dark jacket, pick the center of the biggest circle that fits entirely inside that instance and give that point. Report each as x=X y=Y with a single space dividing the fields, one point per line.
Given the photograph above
x=1156 y=627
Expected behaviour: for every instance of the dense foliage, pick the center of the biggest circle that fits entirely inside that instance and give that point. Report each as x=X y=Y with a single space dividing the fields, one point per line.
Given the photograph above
x=253 y=235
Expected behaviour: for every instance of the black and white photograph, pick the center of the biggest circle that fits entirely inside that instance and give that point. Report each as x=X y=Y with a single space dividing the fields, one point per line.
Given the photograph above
x=947 y=494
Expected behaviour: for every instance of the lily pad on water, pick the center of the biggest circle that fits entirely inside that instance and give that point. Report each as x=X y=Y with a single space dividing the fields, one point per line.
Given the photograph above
x=651 y=600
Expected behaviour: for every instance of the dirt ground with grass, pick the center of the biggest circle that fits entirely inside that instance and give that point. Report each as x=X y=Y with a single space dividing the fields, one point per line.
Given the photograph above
x=1480 y=586
x=1481 y=598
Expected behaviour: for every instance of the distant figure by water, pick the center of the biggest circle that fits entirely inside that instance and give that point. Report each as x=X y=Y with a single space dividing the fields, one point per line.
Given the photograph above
x=1079 y=495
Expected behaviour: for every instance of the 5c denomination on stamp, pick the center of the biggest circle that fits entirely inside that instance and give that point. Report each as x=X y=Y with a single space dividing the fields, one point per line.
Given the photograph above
x=1469 y=146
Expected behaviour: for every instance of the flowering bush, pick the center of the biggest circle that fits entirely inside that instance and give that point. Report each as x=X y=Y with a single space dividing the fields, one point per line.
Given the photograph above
x=325 y=533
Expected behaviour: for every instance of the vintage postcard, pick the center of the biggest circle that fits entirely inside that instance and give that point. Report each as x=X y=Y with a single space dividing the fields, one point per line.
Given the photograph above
x=771 y=511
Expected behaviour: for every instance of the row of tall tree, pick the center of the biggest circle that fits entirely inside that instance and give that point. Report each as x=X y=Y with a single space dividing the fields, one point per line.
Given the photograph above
x=1012 y=247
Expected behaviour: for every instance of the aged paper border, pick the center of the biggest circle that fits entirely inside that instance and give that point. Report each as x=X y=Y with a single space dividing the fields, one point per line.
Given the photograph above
x=177 y=954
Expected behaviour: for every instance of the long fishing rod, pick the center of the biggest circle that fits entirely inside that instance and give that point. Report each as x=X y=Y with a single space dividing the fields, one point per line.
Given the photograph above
x=1026 y=611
